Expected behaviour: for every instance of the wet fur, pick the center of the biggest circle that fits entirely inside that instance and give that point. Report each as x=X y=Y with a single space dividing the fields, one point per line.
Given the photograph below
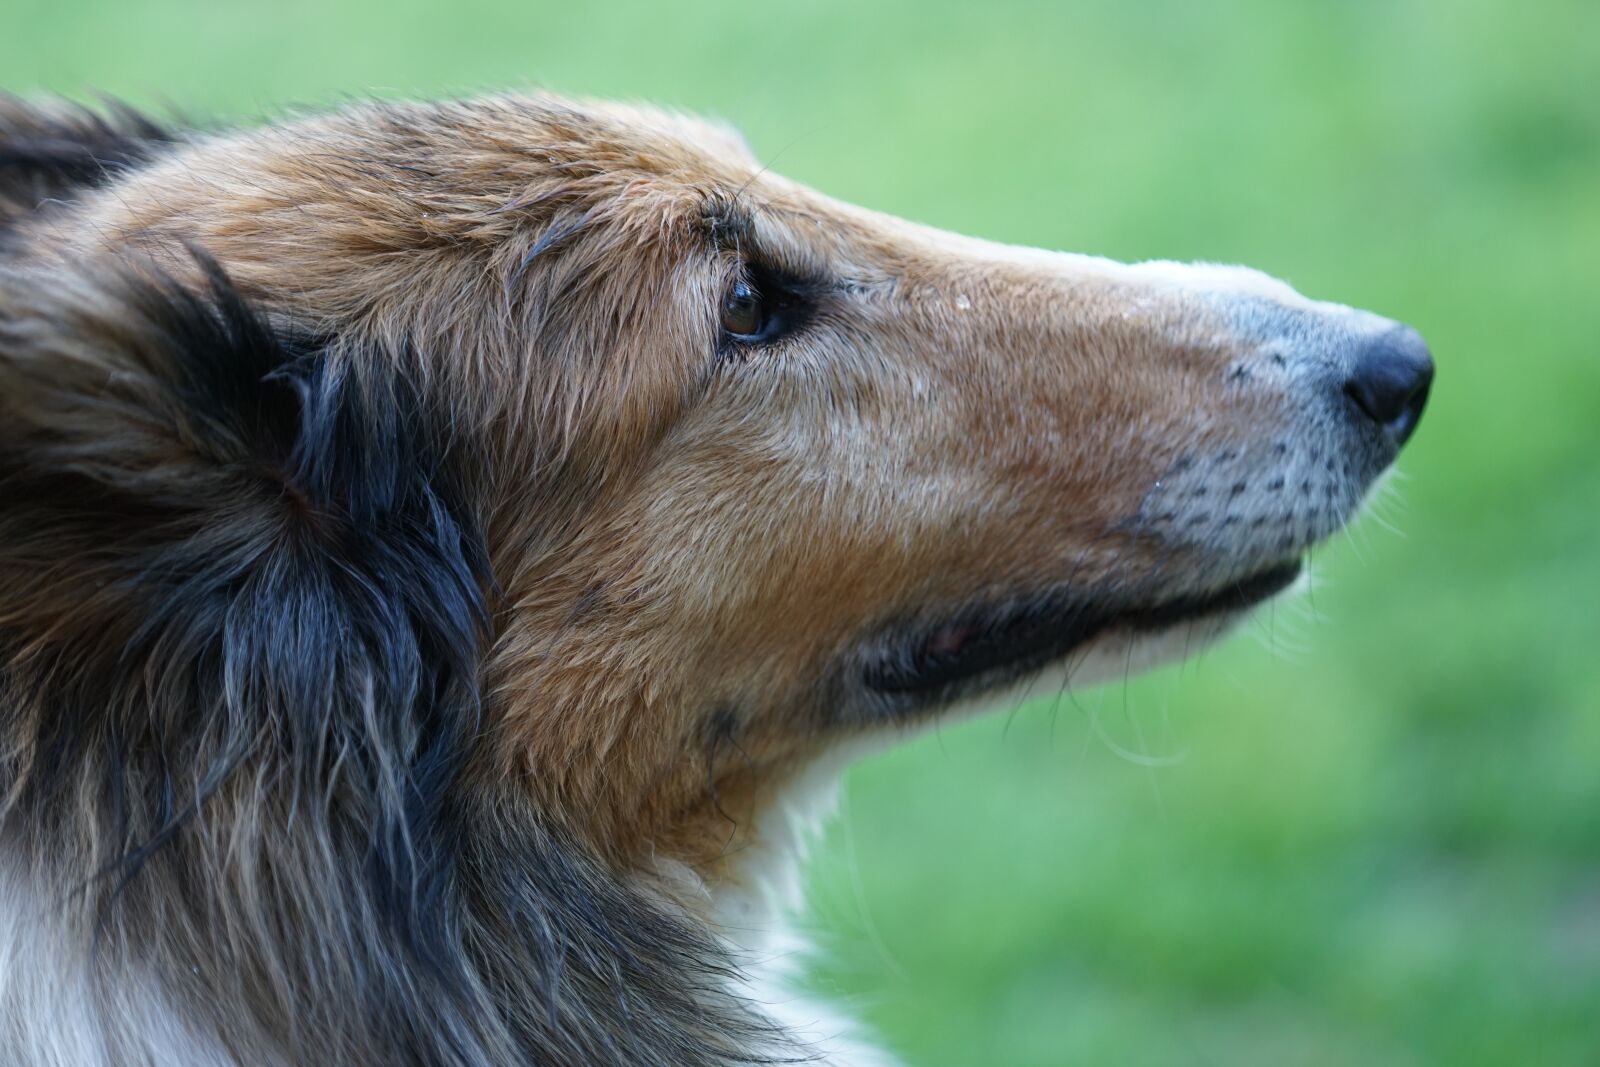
x=415 y=632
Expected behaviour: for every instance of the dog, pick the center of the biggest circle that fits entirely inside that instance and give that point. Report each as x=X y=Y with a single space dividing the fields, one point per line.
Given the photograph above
x=448 y=551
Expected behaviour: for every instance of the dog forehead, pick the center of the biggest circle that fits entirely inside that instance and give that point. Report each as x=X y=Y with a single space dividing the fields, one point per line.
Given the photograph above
x=666 y=130
x=480 y=157
x=622 y=147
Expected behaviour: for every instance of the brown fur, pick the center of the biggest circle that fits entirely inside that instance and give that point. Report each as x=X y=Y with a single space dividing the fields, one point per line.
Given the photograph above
x=688 y=546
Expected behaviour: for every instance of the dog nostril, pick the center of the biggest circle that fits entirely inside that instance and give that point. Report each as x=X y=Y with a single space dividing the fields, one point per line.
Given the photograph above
x=1389 y=381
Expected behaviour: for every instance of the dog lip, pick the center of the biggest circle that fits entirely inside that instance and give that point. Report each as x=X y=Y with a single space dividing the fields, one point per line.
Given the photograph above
x=996 y=644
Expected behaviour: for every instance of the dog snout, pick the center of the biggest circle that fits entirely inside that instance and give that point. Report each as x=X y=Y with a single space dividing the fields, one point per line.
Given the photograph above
x=1389 y=379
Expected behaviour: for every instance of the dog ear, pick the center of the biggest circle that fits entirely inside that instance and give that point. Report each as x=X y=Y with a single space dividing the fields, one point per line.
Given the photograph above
x=227 y=544
x=52 y=150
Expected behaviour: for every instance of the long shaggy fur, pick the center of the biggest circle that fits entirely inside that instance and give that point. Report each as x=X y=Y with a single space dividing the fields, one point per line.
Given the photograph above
x=55 y=151
x=428 y=618
x=267 y=778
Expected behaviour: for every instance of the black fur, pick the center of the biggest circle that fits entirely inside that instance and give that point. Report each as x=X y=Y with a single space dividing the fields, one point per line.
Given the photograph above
x=51 y=152
x=243 y=603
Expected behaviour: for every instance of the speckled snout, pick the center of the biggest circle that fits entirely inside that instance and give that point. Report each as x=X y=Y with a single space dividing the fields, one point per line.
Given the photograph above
x=1326 y=397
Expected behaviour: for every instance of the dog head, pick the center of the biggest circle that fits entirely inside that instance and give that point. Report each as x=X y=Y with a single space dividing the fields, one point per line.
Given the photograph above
x=641 y=477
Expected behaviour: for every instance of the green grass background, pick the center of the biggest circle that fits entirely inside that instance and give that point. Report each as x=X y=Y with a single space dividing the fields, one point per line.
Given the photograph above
x=1372 y=837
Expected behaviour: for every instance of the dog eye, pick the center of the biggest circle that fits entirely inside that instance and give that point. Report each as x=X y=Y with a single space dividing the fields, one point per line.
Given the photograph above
x=744 y=312
x=764 y=305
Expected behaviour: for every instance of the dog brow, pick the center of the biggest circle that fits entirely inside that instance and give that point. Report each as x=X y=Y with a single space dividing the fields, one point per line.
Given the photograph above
x=730 y=222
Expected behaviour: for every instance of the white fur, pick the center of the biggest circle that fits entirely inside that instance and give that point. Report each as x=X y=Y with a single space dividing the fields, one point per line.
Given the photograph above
x=54 y=1012
x=754 y=908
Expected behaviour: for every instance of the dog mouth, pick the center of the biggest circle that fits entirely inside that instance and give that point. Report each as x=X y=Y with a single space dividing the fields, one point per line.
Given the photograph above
x=988 y=646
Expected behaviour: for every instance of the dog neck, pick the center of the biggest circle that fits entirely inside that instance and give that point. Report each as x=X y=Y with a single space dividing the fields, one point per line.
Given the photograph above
x=756 y=898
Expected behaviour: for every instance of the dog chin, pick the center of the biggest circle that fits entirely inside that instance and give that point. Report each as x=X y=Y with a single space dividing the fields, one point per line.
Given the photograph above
x=990 y=648
x=1119 y=653
x=1116 y=655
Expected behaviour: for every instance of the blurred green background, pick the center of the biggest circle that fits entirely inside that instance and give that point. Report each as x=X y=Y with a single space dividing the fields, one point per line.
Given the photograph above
x=1367 y=831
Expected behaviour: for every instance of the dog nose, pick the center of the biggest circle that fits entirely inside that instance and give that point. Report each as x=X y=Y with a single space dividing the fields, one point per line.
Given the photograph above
x=1389 y=380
